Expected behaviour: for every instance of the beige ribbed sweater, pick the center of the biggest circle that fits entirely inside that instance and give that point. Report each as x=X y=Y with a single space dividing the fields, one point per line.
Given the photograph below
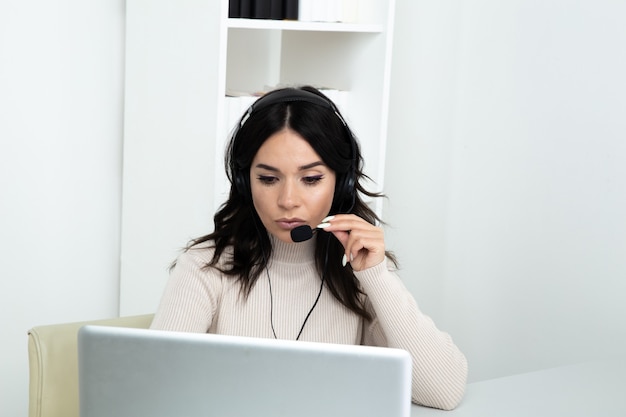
x=198 y=299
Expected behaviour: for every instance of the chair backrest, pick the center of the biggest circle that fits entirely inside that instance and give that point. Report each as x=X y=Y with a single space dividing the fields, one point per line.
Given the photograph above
x=53 y=365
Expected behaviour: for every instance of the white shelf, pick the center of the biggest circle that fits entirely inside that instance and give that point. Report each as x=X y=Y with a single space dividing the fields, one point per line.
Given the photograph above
x=268 y=24
x=181 y=58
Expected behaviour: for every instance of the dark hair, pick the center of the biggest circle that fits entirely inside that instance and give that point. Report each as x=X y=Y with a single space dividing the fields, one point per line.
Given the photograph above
x=238 y=226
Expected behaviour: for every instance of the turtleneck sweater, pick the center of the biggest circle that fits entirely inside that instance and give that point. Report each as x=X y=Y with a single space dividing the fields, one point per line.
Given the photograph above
x=198 y=298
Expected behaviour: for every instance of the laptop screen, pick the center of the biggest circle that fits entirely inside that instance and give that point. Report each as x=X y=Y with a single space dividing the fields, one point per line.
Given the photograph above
x=138 y=372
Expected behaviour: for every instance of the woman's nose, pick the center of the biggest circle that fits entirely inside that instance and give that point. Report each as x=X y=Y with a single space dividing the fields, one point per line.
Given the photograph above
x=289 y=196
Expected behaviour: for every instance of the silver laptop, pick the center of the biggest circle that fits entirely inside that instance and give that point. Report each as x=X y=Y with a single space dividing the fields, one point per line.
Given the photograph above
x=147 y=373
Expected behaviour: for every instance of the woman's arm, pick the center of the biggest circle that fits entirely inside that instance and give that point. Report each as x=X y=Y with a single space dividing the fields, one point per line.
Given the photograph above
x=191 y=295
x=439 y=368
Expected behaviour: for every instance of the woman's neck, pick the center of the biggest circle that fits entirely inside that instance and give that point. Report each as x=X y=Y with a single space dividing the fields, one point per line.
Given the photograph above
x=284 y=252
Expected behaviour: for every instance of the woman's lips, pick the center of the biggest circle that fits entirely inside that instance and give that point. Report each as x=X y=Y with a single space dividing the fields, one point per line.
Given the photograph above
x=289 y=224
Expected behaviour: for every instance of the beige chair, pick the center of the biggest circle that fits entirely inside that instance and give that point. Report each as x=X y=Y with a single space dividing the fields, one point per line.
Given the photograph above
x=53 y=364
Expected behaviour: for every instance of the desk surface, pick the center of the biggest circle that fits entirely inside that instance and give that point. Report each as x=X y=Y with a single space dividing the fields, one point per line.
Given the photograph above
x=586 y=389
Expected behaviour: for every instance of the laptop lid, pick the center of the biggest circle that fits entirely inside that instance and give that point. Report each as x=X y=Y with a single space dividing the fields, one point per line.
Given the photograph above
x=147 y=373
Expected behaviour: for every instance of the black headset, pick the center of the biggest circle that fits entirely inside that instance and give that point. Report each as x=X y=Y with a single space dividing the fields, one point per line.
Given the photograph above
x=346 y=189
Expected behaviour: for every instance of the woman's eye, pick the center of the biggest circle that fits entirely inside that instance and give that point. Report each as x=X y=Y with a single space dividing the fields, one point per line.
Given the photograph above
x=312 y=180
x=267 y=180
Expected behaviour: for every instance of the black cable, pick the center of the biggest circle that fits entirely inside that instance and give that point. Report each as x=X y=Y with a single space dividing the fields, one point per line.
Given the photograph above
x=269 y=283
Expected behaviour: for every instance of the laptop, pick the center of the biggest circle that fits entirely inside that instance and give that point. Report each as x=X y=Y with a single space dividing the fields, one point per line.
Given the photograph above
x=127 y=372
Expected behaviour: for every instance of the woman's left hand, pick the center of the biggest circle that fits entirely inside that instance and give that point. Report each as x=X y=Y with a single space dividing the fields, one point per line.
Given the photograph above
x=363 y=242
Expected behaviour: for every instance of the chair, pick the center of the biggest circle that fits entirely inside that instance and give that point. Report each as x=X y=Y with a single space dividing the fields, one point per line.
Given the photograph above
x=53 y=365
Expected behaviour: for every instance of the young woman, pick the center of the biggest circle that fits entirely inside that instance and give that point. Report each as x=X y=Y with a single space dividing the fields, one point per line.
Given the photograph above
x=293 y=162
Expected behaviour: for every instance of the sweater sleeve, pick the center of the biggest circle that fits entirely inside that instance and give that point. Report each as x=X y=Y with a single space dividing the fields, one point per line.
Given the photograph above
x=191 y=295
x=439 y=371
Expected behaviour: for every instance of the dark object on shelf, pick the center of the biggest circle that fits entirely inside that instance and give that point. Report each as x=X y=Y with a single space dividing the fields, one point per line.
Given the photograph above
x=291 y=9
x=245 y=8
x=261 y=9
x=233 y=8
x=277 y=9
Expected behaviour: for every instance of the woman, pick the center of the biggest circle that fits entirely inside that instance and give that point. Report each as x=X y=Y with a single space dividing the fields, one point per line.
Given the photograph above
x=292 y=162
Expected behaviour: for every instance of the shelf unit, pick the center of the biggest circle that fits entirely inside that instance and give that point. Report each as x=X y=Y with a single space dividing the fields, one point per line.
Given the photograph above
x=181 y=58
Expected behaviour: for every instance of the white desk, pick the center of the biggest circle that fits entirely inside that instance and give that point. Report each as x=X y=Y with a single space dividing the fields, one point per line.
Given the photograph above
x=593 y=389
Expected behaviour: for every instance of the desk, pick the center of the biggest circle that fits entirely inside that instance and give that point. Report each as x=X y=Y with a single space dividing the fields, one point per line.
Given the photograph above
x=592 y=389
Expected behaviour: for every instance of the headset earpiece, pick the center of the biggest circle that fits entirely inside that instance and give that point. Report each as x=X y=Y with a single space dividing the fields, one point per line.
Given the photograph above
x=241 y=183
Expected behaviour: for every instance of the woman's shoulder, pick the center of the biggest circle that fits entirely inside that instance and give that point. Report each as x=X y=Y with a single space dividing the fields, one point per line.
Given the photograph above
x=202 y=255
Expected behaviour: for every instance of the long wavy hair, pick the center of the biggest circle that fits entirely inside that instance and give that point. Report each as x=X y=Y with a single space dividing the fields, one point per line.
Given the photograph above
x=237 y=224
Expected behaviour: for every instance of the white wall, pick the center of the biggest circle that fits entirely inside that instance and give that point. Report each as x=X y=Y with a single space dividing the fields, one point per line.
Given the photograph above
x=507 y=187
x=61 y=84
x=169 y=129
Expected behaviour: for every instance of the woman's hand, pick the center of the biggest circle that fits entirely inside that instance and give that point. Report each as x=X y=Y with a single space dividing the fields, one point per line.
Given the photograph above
x=363 y=242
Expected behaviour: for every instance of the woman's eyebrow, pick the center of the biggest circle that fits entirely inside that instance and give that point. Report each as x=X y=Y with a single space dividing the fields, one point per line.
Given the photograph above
x=267 y=167
x=300 y=168
x=311 y=165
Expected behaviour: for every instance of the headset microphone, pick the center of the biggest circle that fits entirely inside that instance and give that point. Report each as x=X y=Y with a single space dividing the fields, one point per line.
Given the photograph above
x=301 y=233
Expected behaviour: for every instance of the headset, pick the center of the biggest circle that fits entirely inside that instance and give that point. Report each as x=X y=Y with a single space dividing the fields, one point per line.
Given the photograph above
x=345 y=189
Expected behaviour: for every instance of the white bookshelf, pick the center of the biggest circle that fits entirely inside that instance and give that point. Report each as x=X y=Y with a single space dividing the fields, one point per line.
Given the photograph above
x=181 y=58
